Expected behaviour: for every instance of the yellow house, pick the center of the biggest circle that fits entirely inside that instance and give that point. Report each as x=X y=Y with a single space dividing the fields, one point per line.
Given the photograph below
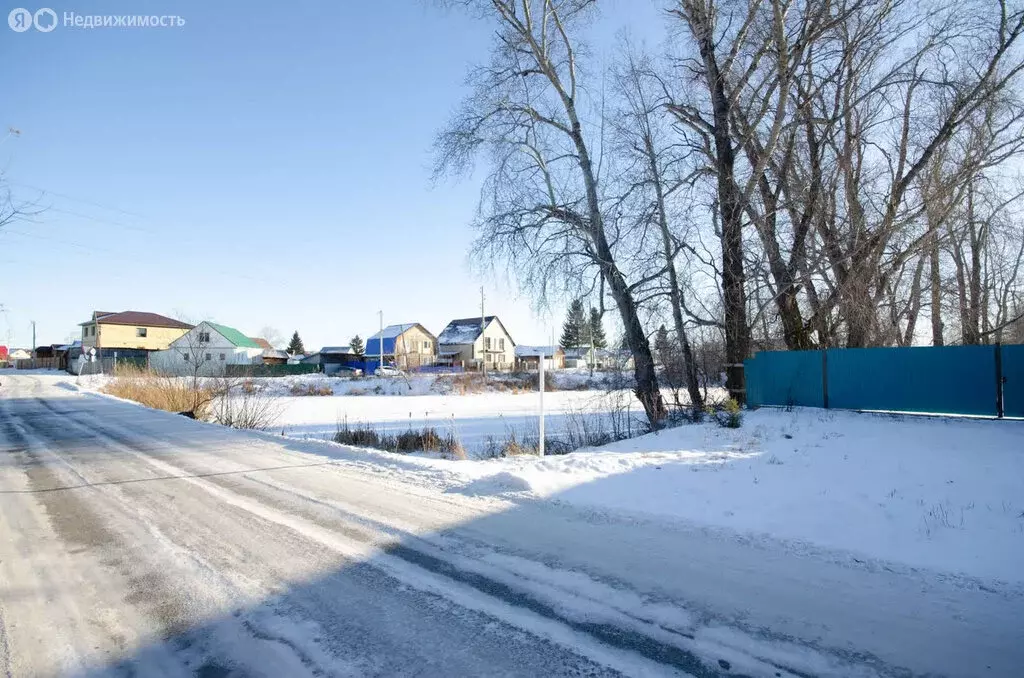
x=131 y=331
x=406 y=346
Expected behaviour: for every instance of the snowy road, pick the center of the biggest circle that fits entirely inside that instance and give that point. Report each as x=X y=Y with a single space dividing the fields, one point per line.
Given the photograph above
x=137 y=542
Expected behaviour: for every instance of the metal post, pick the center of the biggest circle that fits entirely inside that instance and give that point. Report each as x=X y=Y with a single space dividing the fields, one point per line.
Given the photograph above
x=380 y=339
x=1000 y=379
x=483 y=339
x=540 y=442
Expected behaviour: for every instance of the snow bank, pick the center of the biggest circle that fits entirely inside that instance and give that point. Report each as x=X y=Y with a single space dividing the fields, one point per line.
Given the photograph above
x=941 y=494
x=944 y=494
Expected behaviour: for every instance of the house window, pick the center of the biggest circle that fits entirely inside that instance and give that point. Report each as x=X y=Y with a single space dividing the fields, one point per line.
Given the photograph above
x=209 y=356
x=501 y=343
x=490 y=357
x=140 y=331
x=487 y=343
x=185 y=356
x=204 y=337
x=222 y=356
x=426 y=345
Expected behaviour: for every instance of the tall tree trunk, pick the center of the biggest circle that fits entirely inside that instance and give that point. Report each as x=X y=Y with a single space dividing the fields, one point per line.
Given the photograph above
x=730 y=205
x=675 y=293
x=647 y=390
x=936 y=290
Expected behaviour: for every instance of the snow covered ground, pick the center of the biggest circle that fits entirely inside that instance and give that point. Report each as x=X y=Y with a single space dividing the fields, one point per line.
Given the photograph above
x=828 y=543
x=944 y=494
x=934 y=493
x=393 y=405
x=474 y=418
x=939 y=493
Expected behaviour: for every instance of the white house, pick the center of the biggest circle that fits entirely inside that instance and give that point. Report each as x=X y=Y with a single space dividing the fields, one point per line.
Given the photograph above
x=472 y=341
x=210 y=346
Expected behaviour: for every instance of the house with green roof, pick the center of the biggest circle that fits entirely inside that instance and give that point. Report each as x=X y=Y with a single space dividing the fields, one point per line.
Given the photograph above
x=207 y=349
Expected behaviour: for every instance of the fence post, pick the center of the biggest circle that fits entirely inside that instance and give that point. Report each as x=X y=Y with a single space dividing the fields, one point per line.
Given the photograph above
x=824 y=377
x=999 y=380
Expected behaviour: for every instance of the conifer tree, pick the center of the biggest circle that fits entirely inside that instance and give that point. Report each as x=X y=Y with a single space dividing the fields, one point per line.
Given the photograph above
x=597 y=330
x=574 y=330
x=357 y=346
x=295 y=346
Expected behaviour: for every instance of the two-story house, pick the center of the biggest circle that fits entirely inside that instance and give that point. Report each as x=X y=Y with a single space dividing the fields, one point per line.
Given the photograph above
x=472 y=342
x=130 y=333
x=406 y=346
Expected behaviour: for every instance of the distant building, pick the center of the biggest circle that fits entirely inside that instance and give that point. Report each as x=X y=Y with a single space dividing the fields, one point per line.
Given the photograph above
x=263 y=343
x=528 y=357
x=130 y=333
x=332 y=358
x=406 y=346
x=474 y=342
x=207 y=349
x=273 y=356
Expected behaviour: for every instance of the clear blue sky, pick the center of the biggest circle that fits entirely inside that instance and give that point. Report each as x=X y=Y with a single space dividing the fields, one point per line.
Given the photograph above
x=265 y=164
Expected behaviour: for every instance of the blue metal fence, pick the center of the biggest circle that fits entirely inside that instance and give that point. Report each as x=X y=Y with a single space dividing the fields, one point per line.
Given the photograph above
x=975 y=380
x=1012 y=368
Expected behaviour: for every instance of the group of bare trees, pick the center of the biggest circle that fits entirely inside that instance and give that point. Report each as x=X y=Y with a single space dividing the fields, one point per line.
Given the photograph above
x=780 y=174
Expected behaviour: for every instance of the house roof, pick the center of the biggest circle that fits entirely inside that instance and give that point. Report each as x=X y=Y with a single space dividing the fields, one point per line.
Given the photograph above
x=536 y=351
x=262 y=343
x=275 y=353
x=139 y=318
x=389 y=335
x=234 y=336
x=335 y=349
x=466 y=330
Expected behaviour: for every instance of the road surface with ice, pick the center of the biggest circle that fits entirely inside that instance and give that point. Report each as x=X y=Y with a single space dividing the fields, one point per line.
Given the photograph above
x=139 y=542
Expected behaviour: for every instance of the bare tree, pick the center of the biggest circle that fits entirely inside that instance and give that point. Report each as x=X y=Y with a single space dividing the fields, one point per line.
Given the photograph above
x=822 y=124
x=654 y=177
x=543 y=207
x=273 y=336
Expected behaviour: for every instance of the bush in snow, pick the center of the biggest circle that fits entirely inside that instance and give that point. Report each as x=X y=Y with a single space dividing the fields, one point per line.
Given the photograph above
x=425 y=440
x=311 y=390
x=728 y=414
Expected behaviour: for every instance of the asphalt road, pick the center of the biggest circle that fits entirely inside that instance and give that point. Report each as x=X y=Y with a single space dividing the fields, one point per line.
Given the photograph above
x=135 y=542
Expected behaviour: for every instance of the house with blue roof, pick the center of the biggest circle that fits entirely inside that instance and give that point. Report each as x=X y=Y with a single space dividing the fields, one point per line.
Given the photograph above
x=405 y=346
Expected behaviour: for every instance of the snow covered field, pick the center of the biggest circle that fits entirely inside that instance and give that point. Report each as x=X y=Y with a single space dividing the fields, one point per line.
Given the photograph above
x=473 y=418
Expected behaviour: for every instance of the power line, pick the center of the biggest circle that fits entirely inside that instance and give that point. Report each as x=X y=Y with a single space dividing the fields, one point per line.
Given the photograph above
x=67 y=196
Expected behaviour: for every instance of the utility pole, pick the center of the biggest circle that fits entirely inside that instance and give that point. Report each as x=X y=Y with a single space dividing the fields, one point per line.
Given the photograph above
x=483 y=339
x=380 y=338
x=33 y=340
x=540 y=387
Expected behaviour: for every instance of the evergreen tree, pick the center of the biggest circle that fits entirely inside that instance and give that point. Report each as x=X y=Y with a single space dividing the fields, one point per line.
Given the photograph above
x=295 y=346
x=597 y=329
x=662 y=347
x=574 y=329
x=357 y=345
